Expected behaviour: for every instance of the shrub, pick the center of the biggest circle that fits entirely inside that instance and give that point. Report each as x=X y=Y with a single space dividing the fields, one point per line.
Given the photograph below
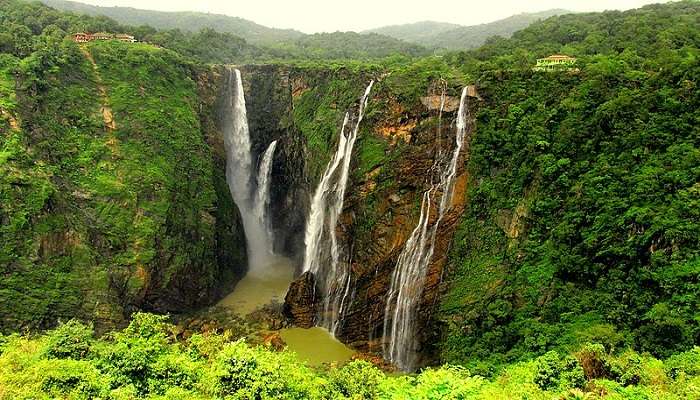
x=243 y=372
x=70 y=340
x=626 y=369
x=592 y=360
x=556 y=372
x=686 y=363
x=357 y=380
x=73 y=379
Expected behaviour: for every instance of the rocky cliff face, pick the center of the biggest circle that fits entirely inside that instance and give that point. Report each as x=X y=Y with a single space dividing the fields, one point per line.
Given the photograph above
x=383 y=210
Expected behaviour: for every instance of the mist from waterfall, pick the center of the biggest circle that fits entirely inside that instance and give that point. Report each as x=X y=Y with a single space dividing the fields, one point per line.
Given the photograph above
x=239 y=170
x=321 y=256
x=408 y=278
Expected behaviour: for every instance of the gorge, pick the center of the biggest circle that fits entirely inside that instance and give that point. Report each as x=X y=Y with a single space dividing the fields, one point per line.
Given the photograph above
x=456 y=225
x=331 y=283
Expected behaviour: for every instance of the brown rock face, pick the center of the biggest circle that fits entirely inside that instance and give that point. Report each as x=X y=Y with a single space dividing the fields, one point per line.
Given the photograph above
x=274 y=341
x=300 y=301
x=395 y=194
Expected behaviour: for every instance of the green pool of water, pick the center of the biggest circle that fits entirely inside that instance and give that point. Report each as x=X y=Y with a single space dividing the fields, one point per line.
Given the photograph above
x=316 y=346
x=260 y=288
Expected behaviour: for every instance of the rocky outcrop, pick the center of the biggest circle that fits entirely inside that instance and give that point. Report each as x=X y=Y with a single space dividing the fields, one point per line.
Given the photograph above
x=399 y=188
x=381 y=198
x=300 y=301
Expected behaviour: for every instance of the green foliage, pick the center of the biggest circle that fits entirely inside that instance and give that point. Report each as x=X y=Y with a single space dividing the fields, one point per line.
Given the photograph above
x=686 y=363
x=357 y=380
x=182 y=21
x=144 y=362
x=555 y=372
x=70 y=340
x=91 y=211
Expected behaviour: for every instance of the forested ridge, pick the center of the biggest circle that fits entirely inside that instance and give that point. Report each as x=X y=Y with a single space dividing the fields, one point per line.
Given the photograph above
x=574 y=272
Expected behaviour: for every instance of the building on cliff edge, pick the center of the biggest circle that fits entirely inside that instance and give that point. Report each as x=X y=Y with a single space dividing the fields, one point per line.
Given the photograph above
x=556 y=62
x=82 y=37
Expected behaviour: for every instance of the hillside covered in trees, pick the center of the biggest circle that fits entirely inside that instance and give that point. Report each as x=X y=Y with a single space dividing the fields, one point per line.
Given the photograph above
x=574 y=271
x=437 y=35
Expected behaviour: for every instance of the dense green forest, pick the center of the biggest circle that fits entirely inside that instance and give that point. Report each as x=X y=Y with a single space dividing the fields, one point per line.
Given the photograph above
x=222 y=39
x=602 y=168
x=574 y=273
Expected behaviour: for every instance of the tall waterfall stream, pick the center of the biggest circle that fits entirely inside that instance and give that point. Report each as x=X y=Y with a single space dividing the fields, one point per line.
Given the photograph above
x=408 y=278
x=320 y=239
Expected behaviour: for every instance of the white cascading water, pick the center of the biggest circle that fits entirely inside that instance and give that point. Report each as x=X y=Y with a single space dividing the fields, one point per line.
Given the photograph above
x=262 y=196
x=321 y=256
x=239 y=171
x=408 y=278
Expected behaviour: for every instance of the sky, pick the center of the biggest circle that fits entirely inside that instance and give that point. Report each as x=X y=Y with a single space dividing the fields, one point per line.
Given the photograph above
x=312 y=16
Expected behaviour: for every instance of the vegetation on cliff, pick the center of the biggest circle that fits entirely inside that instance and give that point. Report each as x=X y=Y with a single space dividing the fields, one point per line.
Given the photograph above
x=582 y=220
x=145 y=361
x=107 y=195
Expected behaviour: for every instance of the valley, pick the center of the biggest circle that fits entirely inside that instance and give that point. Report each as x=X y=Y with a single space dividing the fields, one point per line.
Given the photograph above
x=183 y=221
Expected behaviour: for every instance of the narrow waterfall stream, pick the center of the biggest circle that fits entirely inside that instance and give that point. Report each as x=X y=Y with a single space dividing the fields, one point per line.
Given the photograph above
x=262 y=196
x=322 y=255
x=408 y=278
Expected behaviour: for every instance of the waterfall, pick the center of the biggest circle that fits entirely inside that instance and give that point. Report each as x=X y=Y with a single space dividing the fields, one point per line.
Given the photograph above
x=239 y=169
x=262 y=196
x=320 y=237
x=237 y=140
x=408 y=278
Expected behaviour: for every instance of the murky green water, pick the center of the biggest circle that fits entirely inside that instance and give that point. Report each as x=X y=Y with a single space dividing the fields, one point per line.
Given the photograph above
x=258 y=289
x=316 y=346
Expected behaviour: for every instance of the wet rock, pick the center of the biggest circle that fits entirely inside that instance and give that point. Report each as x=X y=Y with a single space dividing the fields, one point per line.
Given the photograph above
x=300 y=301
x=275 y=341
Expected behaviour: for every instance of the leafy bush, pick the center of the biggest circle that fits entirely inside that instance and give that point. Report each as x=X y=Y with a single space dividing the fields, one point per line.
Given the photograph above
x=143 y=362
x=70 y=340
x=686 y=363
x=558 y=373
x=357 y=380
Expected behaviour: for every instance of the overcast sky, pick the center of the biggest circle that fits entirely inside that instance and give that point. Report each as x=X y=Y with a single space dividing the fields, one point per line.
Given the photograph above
x=331 y=15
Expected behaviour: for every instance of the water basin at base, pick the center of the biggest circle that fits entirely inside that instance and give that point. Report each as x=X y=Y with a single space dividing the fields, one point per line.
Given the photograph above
x=263 y=285
x=260 y=287
x=316 y=346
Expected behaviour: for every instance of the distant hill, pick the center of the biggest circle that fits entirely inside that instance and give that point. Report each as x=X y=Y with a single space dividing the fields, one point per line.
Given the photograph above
x=455 y=37
x=419 y=32
x=260 y=42
x=339 y=45
x=186 y=21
